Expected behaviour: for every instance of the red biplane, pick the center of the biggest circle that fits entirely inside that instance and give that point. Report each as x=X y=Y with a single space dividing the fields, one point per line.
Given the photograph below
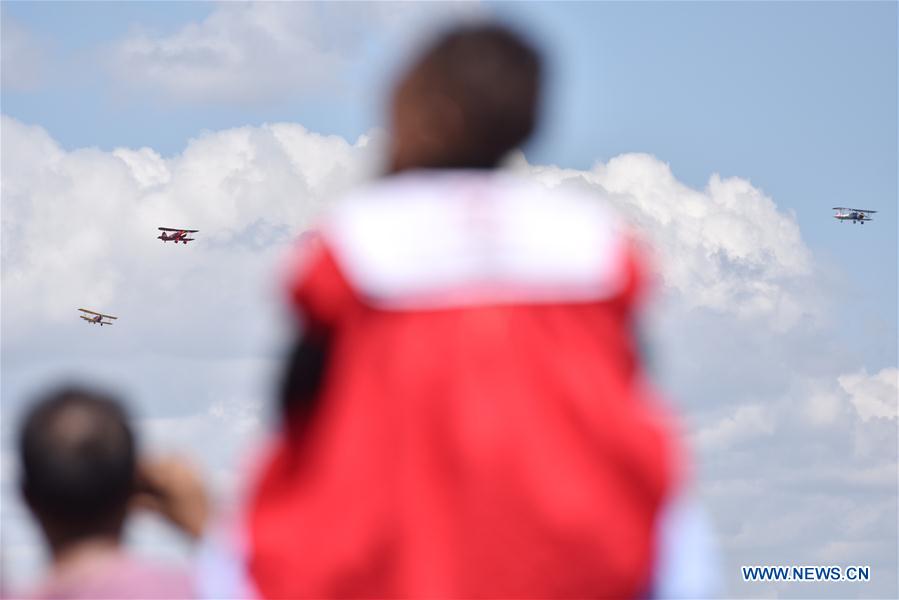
x=177 y=235
x=97 y=319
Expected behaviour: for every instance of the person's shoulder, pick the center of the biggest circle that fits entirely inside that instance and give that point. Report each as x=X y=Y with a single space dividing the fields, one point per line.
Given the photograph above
x=400 y=190
x=571 y=192
x=122 y=576
x=432 y=189
x=138 y=577
x=413 y=234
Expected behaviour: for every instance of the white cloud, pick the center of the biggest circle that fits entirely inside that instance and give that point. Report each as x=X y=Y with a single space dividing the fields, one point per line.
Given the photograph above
x=726 y=247
x=842 y=405
x=147 y=167
x=270 y=51
x=873 y=396
x=746 y=423
x=803 y=477
x=79 y=227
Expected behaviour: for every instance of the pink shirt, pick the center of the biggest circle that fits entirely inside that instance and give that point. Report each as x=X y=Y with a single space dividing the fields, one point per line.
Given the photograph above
x=116 y=575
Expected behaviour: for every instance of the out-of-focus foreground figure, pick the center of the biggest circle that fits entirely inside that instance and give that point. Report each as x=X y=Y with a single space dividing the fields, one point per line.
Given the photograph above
x=466 y=415
x=80 y=476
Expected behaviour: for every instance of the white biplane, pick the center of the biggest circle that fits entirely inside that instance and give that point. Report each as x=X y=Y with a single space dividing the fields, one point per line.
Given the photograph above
x=856 y=215
x=97 y=318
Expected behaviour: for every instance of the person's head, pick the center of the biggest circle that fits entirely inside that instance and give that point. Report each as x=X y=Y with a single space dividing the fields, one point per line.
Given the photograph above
x=466 y=102
x=78 y=464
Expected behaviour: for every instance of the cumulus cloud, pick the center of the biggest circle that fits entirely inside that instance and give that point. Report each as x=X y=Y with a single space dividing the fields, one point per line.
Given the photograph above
x=797 y=451
x=746 y=423
x=79 y=227
x=805 y=477
x=270 y=51
x=873 y=396
x=726 y=247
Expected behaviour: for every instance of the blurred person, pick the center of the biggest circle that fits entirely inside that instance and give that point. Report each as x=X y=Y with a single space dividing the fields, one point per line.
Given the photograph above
x=80 y=476
x=466 y=413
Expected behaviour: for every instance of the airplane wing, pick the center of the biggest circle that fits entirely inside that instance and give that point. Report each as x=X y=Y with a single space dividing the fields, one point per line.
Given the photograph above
x=834 y=208
x=89 y=311
x=175 y=229
x=863 y=210
x=85 y=318
x=190 y=230
x=108 y=316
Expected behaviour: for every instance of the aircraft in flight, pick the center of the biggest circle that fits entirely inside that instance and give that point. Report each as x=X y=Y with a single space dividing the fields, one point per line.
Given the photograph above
x=856 y=215
x=177 y=235
x=97 y=318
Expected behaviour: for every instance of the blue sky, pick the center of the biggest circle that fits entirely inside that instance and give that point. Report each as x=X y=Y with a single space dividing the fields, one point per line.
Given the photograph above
x=796 y=101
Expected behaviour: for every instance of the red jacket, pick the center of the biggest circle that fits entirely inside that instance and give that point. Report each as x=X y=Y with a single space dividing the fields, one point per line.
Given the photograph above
x=482 y=427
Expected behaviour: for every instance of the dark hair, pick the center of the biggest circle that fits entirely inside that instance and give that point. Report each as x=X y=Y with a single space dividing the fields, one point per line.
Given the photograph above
x=301 y=378
x=78 y=460
x=492 y=75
